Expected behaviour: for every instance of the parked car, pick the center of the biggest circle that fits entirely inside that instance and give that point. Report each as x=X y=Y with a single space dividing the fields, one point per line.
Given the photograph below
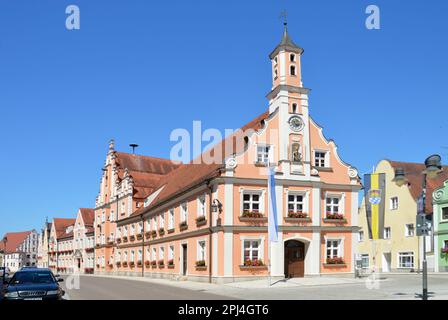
x=33 y=284
x=4 y=270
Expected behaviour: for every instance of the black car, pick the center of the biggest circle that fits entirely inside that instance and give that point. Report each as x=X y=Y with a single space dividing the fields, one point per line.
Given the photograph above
x=33 y=284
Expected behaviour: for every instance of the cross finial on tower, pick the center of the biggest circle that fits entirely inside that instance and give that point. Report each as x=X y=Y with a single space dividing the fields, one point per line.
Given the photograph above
x=284 y=16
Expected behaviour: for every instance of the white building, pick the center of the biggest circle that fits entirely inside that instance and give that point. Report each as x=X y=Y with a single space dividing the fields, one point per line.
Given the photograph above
x=21 y=249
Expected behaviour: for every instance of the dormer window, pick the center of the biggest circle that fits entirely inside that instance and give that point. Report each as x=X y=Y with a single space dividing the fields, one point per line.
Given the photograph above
x=275 y=60
x=292 y=70
x=321 y=159
x=292 y=57
x=275 y=74
x=263 y=154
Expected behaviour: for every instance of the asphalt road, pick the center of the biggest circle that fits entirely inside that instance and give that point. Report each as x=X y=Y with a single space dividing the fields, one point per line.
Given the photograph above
x=98 y=288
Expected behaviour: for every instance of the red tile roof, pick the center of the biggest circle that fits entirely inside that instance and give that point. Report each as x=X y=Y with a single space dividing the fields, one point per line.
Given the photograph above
x=60 y=225
x=15 y=239
x=196 y=172
x=146 y=164
x=88 y=215
x=414 y=175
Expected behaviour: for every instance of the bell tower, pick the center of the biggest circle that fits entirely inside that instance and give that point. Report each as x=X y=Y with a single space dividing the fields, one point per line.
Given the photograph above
x=289 y=98
x=285 y=59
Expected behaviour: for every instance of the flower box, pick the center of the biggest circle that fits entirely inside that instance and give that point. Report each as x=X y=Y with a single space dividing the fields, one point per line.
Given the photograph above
x=139 y=263
x=139 y=236
x=131 y=238
x=201 y=220
x=161 y=231
x=153 y=233
x=118 y=263
x=119 y=240
x=132 y=264
x=88 y=270
x=183 y=225
x=97 y=266
x=170 y=263
x=97 y=245
x=125 y=238
x=125 y=264
x=200 y=263
x=334 y=216
x=147 y=263
x=161 y=263
x=148 y=234
x=335 y=261
x=154 y=263
x=253 y=263
x=110 y=242
x=297 y=215
x=252 y=214
x=170 y=230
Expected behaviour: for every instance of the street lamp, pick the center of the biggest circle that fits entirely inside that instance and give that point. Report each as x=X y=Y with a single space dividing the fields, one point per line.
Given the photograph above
x=433 y=166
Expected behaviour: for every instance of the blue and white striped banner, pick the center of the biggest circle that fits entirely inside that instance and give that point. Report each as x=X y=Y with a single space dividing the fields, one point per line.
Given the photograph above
x=272 y=204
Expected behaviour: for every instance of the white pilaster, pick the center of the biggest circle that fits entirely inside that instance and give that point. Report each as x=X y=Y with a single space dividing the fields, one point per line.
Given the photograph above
x=316 y=206
x=228 y=236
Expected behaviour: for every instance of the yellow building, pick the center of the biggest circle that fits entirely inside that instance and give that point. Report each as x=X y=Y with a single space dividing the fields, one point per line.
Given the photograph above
x=400 y=250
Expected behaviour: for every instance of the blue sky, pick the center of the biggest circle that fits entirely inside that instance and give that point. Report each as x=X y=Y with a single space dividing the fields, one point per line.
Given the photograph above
x=136 y=70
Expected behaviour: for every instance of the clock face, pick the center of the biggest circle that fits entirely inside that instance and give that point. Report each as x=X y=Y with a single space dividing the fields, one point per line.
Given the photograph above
x=296 y=123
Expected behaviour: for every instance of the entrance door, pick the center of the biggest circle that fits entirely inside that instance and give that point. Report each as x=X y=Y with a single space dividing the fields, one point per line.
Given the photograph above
x=294 y=259
x=184 y=259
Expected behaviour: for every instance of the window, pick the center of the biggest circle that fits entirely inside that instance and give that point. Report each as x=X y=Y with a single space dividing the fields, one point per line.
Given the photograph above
x=387 y=233
x=275 y=60
x=294 y=108
x=361 y=236
x=445 y=244
x=171 y=219
x=132 y=230
x=406 y=260
x=148 y=224
x=364 y=261
x=111 y=216
x=132 y=257
x=295 y=203
x=333 y=248
x=201 y=250
x=183 y=212
x=445 y=213
x=126 y=256
x=154 y=253
x=292 y=57
x=292 y=70
x=140 y=227
x=161 y=253
x=319 y=159
x=103 y=217
x=123 y=207
x=409 y=230
x=154 y=223
x=275 y=74
x=332 y=204
x=201 y=206
x=394 y=203
x=251 y=202
x=171 y=252
x=251 y=250
x=140 y=255
x=263 y=154
x=162 y=220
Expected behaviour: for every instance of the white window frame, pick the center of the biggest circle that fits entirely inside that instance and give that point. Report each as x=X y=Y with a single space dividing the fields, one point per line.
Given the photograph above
x=171 y=218
x=171 y=252
x=154 y=254
x=326 y=158
x=441 y=214
x=341 y=202
x=161 y=253
x=405 y=254
x=260 y=193
x=162 y=220
x=202 y=205
x=393 y=203
x=305 y=202
x=270 y=155
x=184 y=212
x=361 y=236
x=139 y=255
x=201 y=252
x=386 y=234
x=363 y=257
x=260 y=246
x=340 y=253
x=407 y=229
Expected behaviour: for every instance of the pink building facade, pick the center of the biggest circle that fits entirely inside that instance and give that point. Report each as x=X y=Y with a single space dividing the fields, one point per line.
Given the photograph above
x=208 y=221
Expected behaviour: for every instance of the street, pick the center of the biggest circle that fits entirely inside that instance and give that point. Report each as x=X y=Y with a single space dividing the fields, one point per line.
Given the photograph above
x=390 y=287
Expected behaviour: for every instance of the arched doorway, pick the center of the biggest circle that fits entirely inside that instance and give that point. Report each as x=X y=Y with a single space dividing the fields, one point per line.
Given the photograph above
x=294 y=259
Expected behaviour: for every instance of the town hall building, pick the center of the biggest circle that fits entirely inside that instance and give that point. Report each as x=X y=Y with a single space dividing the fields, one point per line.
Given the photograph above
x=208 y=221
